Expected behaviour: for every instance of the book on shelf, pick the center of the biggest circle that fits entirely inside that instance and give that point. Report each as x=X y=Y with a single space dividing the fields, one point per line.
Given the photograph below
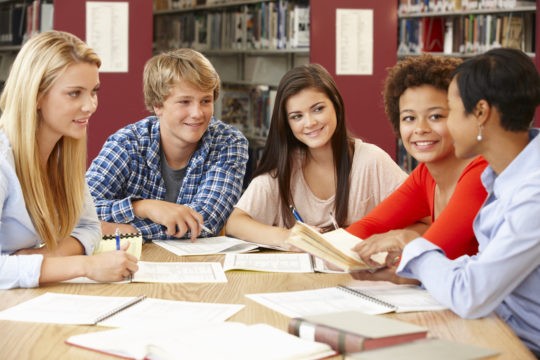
x=224 y=341
x=115 y=311
x=378 y=297
x=12 y=24
x=300 y=27
x=236 y=108
x=426 y=349
x=353 y=331
x=333 y=246
x=279 y=24
x=108 y=243
x=512 y=33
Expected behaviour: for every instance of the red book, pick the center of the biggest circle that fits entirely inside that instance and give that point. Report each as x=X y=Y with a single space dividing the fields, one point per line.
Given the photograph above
x=353 y=331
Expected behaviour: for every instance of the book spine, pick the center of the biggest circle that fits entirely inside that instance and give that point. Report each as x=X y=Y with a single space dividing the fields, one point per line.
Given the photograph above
x=345 y=342
x=338 y=340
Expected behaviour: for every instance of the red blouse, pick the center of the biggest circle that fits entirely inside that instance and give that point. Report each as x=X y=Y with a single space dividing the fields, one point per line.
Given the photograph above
x=414 y=199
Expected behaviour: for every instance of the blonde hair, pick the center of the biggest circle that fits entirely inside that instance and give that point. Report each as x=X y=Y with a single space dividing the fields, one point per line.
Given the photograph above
x=54 y=196
x=165 y=70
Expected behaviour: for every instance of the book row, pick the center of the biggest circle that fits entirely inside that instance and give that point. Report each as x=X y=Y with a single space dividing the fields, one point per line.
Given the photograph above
x=469 y=34
x=267 y=25
x=423 y=6
x=19 y=21
x=160 y=5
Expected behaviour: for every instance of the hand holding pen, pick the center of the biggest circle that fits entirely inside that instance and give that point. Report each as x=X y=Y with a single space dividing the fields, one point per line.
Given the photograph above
x=117 y=238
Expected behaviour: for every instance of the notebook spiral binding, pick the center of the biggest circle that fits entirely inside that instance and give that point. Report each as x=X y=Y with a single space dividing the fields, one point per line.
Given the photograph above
x=115 y=311
x=122 y=236
x=367 y=297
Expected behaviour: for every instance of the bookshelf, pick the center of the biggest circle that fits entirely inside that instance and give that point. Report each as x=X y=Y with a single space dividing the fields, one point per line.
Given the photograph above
x=120 y=98
x=20 y=19
x=259 y=64
x=464 y=28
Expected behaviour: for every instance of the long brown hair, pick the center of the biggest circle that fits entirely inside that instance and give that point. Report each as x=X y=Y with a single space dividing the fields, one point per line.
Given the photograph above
x=281 y=145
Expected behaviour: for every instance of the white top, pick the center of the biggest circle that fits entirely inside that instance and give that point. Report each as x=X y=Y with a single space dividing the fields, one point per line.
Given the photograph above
x=17 y=230
x=374 y=175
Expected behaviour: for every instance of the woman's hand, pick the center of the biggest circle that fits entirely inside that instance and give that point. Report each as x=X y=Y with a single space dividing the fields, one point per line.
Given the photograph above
x=391 y=242
x=383 y=274
x=111 y=266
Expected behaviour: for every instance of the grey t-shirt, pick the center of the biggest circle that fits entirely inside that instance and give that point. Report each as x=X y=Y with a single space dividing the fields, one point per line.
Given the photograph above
x=172 y=178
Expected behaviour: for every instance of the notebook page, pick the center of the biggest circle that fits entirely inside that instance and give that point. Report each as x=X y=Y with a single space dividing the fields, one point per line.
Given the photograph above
x=160 y=312
x=318 y=301
x=179 y=272
x=205 y=246
x=64 y=308
x=280 y=262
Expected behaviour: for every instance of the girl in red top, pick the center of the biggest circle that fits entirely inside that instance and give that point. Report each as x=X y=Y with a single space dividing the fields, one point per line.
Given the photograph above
x=443 y=192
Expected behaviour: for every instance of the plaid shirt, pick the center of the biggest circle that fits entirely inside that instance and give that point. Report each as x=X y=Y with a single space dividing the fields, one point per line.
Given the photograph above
x=128 y=168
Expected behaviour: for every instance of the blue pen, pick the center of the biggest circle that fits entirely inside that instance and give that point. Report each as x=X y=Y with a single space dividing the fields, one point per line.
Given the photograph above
x=117 y=237
x=296 y=214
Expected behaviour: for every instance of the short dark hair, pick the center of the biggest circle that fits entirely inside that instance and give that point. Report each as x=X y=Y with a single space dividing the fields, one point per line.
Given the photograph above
x=412 y=72
x=507 y=79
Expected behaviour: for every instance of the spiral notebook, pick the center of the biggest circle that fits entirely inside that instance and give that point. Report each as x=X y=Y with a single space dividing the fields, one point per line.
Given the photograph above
x=108 y=243
x=115 y=311
x=371 y=298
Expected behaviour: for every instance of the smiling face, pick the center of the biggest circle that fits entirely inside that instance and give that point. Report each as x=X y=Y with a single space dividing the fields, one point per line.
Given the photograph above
x=65 y=109
x=312 y=118
x=185 y=115
x=423 y=113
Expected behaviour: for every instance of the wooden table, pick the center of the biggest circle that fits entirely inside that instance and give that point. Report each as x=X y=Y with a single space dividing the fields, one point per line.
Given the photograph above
x=19 y=340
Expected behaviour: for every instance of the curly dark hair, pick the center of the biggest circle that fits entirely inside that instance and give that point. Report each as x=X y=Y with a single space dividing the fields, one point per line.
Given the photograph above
x=415 y=71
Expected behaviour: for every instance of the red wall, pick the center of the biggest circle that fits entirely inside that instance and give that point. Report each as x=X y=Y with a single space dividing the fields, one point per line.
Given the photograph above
x=362 y=94
x=120 y=96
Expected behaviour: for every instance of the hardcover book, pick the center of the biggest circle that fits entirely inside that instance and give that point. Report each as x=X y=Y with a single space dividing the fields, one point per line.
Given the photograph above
x=353 y=331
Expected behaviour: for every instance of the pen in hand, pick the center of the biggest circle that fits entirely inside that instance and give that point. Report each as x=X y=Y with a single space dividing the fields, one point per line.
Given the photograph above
x=117 y=237
x=205 y=228
x=295 y=213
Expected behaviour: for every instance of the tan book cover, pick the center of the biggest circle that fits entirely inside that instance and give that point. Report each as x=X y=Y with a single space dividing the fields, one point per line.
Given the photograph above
x=426 y=349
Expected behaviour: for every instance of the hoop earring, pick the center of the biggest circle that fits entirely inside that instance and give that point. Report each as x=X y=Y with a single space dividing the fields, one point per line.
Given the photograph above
x=479 y=137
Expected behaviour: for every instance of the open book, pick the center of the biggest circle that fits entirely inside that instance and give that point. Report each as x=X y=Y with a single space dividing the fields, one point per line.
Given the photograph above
x=375 y=298
x=334 y=246
x=115 y=311
x=226 y=340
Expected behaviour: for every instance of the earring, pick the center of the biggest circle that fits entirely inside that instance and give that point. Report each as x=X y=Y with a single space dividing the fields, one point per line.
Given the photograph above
x=479 y=137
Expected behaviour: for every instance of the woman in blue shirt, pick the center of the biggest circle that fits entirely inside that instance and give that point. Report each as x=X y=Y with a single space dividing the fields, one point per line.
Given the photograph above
x=47 y=217
x=492 y=100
